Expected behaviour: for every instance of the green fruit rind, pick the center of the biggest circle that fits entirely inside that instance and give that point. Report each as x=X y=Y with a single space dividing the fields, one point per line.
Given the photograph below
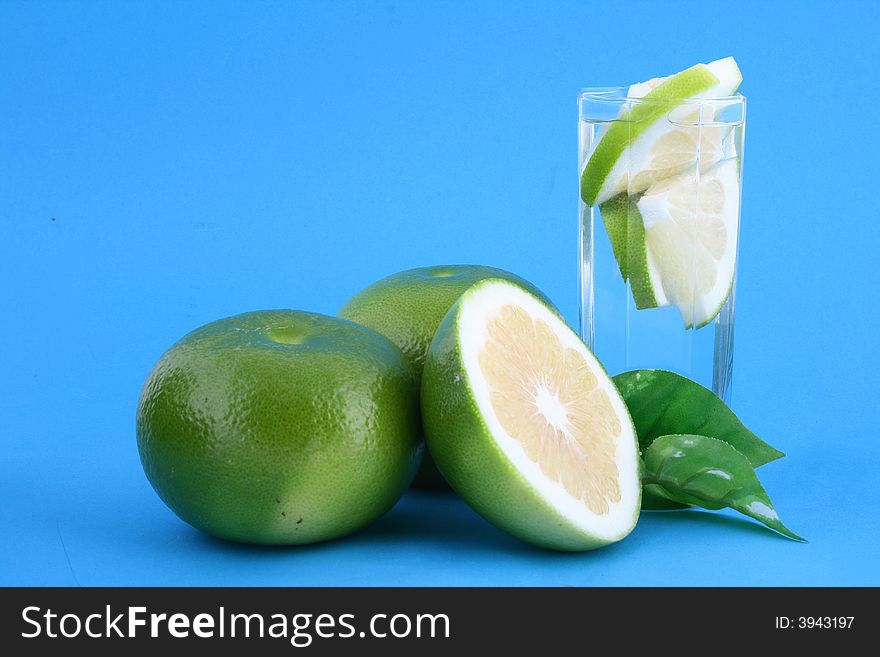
x=280 y=427
x=626 y=231
x=473 y=462
x=630 y=126
x=615 y=215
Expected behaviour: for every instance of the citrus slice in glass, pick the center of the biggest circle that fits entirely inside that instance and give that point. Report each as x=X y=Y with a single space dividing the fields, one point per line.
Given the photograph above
x=690 y=224
x=659 y=134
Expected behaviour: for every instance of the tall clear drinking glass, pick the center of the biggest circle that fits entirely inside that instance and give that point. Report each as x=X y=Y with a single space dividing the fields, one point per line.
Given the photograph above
x=660 y=188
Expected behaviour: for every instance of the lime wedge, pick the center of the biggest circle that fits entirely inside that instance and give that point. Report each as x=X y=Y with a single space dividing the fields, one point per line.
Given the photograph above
x=690 y=224
x=661 y=136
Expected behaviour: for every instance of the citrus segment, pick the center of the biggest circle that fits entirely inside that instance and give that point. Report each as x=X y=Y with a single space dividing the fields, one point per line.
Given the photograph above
x=691 y=224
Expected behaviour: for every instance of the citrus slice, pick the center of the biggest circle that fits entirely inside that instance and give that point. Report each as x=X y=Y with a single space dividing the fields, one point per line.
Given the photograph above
x=526 y=425
x=627 y=235
x=661 y=136
x=690 y=224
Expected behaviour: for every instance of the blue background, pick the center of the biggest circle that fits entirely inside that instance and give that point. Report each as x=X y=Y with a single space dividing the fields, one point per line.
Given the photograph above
x=166 y=164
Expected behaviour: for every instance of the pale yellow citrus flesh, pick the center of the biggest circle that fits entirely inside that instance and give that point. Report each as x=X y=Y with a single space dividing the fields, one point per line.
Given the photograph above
x=547 y=398
x=689 y=245
x=675 y=151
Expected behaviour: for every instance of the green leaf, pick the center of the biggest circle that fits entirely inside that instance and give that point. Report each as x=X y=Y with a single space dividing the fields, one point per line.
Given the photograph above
x=654 y=498
x=709 y=473
x=663 y=403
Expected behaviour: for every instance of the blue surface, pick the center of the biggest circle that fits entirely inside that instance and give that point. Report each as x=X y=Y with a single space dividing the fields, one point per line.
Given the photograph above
x=166 y=164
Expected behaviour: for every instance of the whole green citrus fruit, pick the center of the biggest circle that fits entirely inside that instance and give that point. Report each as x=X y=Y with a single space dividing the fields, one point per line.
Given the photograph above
x=280 y=427
x=407 y=307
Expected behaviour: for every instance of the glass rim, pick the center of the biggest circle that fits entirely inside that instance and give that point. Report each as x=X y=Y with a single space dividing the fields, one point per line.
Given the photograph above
x=618 y=95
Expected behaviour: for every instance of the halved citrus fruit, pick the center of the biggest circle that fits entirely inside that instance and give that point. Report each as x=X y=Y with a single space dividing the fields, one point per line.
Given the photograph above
x=526 y=425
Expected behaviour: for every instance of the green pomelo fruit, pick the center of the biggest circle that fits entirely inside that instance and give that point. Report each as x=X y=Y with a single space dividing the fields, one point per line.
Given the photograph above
x=280 y=427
